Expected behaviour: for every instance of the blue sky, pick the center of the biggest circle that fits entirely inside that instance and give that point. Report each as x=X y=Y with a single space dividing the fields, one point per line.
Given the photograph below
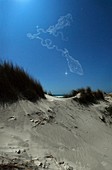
x=88 y=34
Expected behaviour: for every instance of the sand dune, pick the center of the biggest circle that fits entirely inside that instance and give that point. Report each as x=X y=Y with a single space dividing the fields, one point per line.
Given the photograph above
x=56 y=134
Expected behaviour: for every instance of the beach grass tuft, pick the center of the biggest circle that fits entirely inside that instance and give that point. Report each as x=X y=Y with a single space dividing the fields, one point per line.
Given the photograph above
x=15 y=84
x=87 y=96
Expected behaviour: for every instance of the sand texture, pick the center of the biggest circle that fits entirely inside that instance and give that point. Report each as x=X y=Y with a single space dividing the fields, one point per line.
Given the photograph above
x=55 y=134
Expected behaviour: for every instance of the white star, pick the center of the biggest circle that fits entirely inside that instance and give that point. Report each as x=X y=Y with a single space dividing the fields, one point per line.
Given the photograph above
x=66 y=73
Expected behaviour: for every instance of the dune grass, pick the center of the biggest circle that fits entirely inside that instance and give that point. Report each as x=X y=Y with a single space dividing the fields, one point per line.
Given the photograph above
x=87 y=96
x=17 y=84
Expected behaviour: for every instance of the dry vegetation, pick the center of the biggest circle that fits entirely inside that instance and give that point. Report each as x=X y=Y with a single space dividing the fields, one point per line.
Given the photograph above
x=87 y=96
x=16 y=84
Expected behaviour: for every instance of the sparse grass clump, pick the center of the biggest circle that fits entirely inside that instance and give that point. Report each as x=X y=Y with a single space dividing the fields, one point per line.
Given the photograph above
x=99 y=95
x=87 y=96
x=16 y=84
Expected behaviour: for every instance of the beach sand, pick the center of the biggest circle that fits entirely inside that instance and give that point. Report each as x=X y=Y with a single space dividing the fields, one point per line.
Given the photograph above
x=56 y=134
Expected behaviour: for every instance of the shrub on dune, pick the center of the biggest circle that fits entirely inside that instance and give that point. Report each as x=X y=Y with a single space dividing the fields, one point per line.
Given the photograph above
x=99 y=95
x=87 y=96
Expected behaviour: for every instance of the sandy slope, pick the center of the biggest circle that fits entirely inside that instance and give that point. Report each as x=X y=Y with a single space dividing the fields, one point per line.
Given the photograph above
x=56 y=134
